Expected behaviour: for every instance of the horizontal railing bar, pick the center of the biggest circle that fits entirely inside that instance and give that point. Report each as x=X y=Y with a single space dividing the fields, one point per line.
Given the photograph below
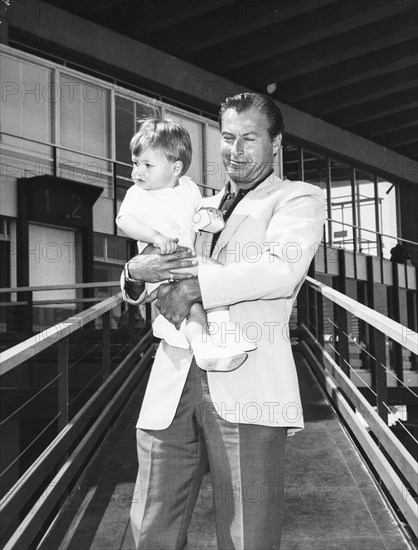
x=102 y=401
x=371 y=231
x=69 y=301
x=32 y=398
x=75 y=151
x=397 y=489
x=403 y=335
x=16 y=460
x=121 y=163
x=23 y=351
x=62 y=148
x=402 y=458
x=73 y=286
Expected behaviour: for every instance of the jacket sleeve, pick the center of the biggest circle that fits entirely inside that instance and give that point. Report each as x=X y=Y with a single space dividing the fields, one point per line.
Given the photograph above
x=133 y=292
x=291 y=239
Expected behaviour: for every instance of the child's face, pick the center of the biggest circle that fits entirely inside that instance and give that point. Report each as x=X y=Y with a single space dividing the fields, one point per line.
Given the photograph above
x=152 y=170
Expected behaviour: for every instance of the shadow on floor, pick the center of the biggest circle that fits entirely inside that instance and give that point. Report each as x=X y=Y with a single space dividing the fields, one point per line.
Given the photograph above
x=332 y=503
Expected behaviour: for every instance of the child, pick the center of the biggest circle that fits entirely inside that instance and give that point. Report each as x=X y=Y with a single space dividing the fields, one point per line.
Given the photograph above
x=159 y=209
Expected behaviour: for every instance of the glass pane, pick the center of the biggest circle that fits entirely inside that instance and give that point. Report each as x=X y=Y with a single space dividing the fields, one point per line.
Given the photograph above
x=85 y=127
x=147 y=110
x=196 y=135
x=291 y=168
x=341 y=206
x=315 y=171
x=27 y=96
x=125 y=127
x=387 y=213
x=366 y=213
x=215 y=173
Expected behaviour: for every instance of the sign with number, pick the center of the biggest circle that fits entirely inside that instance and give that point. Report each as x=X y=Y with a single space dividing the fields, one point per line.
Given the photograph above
x=56 y=201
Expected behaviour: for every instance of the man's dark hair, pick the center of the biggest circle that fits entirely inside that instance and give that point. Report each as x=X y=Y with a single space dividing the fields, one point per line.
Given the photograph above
x=261 y=102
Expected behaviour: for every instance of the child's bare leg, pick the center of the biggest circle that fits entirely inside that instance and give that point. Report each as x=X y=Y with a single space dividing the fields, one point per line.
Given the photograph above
x=208 y=355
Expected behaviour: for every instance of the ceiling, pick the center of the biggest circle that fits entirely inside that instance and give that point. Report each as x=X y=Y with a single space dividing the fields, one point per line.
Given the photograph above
x=352 y=63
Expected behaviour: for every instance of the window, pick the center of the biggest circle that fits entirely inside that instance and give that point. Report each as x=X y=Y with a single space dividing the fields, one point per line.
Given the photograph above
x=84 y=111
x=196 y=135
x=342 y=206
x=386 y=197
x=215 y=173
x=366 y=213
x=25 y=112
x=291 y=166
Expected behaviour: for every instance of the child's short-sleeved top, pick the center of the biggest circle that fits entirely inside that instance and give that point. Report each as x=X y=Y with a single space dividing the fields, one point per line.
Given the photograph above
x=169 y=211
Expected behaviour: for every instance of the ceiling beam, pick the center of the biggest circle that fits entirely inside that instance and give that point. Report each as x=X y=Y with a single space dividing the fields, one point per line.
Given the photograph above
x=383 y=121
x=365 y=75
x=346 y=18
x=268 y=13
x=178 y=14
x=412 y=123
x=360 y=93
x=314 y=61
x=410 y=150
x=377 y=108
x=90 y=9
x=399 y=137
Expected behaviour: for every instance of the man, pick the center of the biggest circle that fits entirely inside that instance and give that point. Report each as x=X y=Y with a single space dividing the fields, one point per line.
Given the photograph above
x=238 y=421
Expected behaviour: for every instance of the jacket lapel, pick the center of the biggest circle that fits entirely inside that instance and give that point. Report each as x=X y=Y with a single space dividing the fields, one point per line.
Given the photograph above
x=245 y=208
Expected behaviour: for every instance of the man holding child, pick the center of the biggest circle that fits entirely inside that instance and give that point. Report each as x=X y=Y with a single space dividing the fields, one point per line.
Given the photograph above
x=235 y=420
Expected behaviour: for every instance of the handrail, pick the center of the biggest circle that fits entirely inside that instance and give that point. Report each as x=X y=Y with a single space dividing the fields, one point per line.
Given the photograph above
x=62 y=148
x=394 y=464
x=401 y=334
x=371 y=231
x=23 y=351
x=70 y=286
x=407 y=465
x=121 y=163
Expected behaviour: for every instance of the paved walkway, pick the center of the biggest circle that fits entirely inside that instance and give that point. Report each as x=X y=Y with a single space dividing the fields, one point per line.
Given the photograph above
x=332 y=503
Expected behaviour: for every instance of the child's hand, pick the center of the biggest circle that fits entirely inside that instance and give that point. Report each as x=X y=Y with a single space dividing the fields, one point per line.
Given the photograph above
x=165 y=244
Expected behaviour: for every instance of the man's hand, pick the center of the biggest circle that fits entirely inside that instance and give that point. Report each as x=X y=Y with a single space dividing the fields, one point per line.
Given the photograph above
x=175 y=300
x=153 y=267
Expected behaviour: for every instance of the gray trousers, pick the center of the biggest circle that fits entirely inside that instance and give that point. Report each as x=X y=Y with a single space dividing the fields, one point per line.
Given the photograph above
x=246 y=469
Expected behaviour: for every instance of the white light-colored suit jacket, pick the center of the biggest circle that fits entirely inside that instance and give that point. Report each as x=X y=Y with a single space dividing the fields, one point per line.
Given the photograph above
x=266 y=249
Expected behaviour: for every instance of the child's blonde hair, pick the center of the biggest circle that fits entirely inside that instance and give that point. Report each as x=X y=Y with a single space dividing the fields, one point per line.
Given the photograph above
x=158 y=133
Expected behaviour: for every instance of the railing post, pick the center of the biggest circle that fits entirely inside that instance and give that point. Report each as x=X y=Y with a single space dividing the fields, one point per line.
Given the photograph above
x=115 y=197
x=302 y=302
x=342 y=321
x=106 y=362
x=132 y=325
x=54 y=161
x=320 y=318
x=396 y=356
x=63 y=383
x=381 y=377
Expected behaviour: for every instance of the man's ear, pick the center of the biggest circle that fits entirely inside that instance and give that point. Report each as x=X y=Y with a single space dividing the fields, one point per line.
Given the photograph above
x=177 y=167
x=277 y=141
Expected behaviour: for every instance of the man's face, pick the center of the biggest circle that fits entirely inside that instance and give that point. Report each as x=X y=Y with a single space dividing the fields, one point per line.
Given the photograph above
x=152 y=170
x=246 y=147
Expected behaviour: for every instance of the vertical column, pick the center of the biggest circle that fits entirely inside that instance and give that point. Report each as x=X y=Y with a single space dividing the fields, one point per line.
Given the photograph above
x=396 y=357
x=106 y=363
x=342 y=321
x=63 y=383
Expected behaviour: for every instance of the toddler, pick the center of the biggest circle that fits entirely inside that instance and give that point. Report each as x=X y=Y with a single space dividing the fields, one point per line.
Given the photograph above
x=160 y=209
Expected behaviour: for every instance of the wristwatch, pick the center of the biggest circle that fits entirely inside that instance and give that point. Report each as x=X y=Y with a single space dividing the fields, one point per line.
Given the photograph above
x=133 y=287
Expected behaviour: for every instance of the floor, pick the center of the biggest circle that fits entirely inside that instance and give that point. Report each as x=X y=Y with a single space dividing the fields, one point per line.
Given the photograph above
x=332 y=503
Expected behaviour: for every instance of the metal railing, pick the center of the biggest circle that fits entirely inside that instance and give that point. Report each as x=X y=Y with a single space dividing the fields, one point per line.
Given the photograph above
x=367 y=414
x=77 y=425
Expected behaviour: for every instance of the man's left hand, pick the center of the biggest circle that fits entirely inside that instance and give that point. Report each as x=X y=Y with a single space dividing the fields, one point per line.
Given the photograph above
x=174 y=300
